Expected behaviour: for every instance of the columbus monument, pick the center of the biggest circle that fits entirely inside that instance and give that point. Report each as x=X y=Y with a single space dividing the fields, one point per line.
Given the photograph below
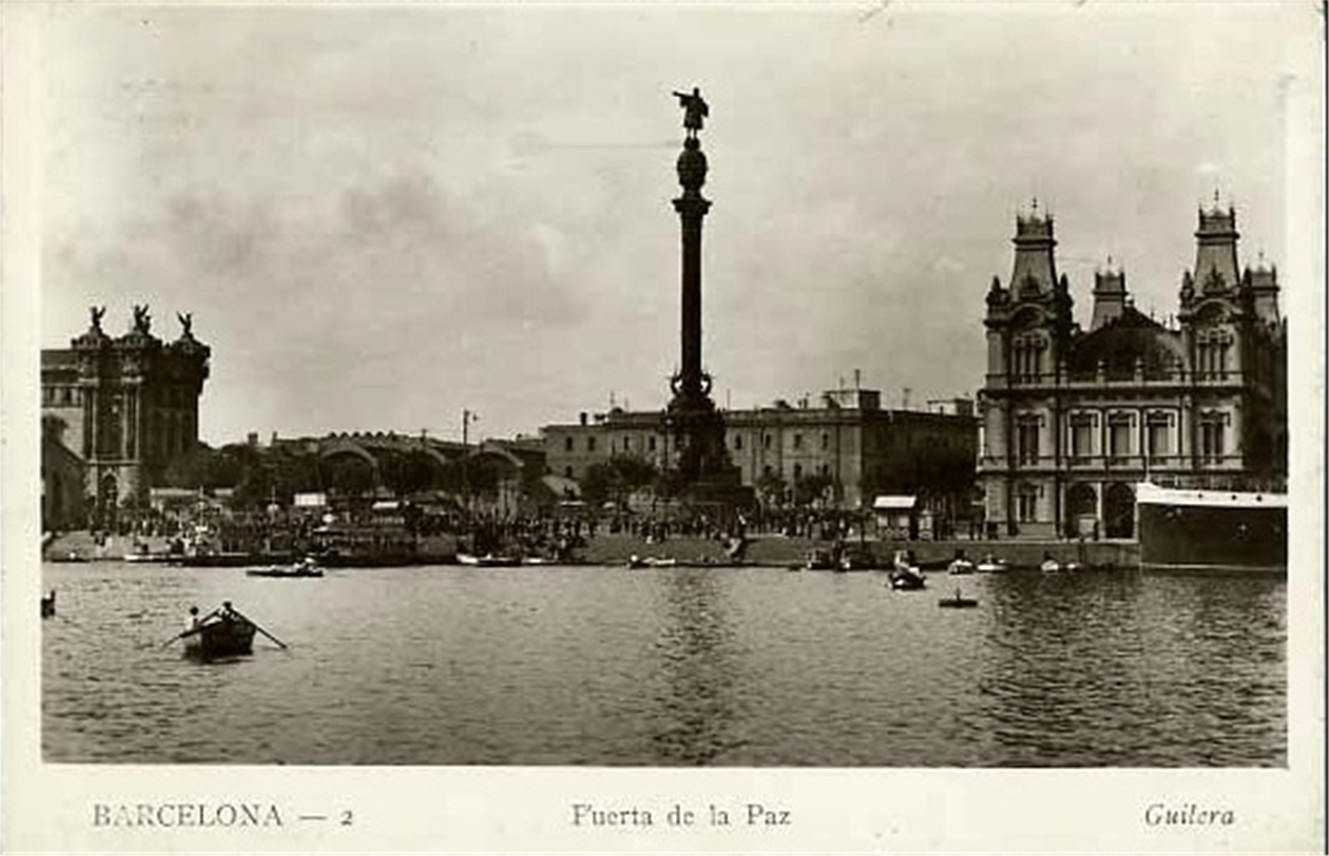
x=703 y=467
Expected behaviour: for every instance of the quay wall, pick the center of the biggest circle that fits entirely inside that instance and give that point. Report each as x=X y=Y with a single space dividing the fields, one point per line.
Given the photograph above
x=767 y=550
x=781 y=551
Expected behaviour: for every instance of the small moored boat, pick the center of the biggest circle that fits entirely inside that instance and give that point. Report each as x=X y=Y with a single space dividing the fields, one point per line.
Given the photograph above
x=306 y=568
x=1052 y=566
x=906 y=576
x=820 y=560
x=48 y=605
x=488 y=560
x=857 y=557
x=991 y=565
x=960 y=565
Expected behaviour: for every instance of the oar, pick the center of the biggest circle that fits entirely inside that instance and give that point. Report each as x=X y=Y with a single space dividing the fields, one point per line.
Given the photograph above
x=191 y=631
x=258 y=628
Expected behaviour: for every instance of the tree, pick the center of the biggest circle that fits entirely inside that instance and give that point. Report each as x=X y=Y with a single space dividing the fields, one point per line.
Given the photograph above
x=811 y=488
x=597 y=484
x=632 y=474
x=770 y=487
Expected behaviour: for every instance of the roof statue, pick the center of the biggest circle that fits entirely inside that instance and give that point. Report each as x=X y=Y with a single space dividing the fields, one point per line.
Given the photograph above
x=142 y=320
x=694 y=110
x=186 y=322
x=97 y=313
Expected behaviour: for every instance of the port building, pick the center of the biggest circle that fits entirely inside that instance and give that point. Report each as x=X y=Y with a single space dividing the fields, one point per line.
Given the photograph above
x=1073 y=420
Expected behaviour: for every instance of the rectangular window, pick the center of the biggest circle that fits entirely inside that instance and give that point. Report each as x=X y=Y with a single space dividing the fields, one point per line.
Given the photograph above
x=567 y=444
x=650 y=443
x=1158 y=437
x=1119 y=438
x=766 y=441
x=825 y=442
x=1211 y=439
x=738 y=442
x=1026 y=506
x=798 y=441
x=1082 y=437
x=1026 y=442
x=590 y=444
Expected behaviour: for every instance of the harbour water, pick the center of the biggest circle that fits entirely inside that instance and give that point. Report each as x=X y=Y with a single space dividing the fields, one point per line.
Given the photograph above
x=683 y=666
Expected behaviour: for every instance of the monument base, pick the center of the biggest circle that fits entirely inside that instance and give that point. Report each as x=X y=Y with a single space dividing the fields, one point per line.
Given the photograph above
x=724 y=490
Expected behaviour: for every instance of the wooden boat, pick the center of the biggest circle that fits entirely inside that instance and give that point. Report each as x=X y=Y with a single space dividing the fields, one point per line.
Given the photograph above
x=857 y=558
x=1052 y=566
x=220 y=636
x=144 y=558
x=306 y=568
x=960 y=565
x=907 y=579
x=906 y=575
x=488 y=560
x=48 y=605
x=991 y=565
x=959 y=601
x=653 y=562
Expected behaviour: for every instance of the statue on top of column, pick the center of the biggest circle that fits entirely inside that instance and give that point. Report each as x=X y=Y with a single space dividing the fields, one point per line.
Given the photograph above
x=694 y=110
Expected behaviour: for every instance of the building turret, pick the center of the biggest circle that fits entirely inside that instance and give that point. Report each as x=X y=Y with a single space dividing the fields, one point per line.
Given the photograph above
x=1216 y=250
x=1109 y=295
x=1035 y=270
x=1264 y=290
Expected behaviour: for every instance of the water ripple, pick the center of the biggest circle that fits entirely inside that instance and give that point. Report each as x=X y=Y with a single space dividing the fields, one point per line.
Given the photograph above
x=684 y=666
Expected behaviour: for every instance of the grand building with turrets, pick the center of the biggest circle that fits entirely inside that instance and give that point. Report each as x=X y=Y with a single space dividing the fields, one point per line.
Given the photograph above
x=116 y=411
x=1072 y=420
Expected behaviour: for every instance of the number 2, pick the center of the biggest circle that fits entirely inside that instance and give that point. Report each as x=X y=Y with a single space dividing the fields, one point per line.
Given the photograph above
x=347 y=818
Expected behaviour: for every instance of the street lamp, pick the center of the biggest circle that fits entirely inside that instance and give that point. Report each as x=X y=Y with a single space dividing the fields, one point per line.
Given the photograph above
x=467 y=417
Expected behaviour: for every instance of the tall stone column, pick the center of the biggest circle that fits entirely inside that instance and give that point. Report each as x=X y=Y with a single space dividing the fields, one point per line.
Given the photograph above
x=697 y=427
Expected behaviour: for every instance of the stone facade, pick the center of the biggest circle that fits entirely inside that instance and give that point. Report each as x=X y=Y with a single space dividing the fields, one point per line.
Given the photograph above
x=846 y=437
x=124 y=407
x=1073 y=420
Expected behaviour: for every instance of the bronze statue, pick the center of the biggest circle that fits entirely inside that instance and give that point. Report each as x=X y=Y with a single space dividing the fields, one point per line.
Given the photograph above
x=694 y=110
x=187 y=322
x=142 y=320
x=97 y=312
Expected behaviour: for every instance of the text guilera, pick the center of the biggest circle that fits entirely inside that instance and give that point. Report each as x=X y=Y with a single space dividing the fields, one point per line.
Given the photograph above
x=200 y=815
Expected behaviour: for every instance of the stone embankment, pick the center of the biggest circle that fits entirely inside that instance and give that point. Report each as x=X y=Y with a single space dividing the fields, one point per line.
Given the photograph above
x=781 y=551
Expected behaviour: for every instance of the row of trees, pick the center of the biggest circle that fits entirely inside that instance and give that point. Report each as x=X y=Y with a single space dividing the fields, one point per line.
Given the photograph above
x=259 y=475
x=623 y=475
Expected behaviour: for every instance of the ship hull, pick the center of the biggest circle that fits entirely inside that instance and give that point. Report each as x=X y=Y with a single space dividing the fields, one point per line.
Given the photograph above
x=1201 y=531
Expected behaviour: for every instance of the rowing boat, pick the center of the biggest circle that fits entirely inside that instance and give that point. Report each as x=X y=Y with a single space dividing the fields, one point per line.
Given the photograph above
x=220 y=636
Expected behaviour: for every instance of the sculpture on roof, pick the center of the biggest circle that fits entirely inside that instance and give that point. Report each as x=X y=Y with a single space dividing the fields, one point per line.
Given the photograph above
x=187 y=322
x=142 y=320
x=97 y=312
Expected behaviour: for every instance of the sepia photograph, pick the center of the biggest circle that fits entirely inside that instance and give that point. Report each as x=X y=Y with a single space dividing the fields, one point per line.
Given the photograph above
x=744 y=425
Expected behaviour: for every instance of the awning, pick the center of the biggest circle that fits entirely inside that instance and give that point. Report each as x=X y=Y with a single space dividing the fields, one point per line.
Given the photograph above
x=894 y=503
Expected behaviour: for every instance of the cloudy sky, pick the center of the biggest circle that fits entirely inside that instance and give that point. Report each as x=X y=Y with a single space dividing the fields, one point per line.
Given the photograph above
x=381 y=216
